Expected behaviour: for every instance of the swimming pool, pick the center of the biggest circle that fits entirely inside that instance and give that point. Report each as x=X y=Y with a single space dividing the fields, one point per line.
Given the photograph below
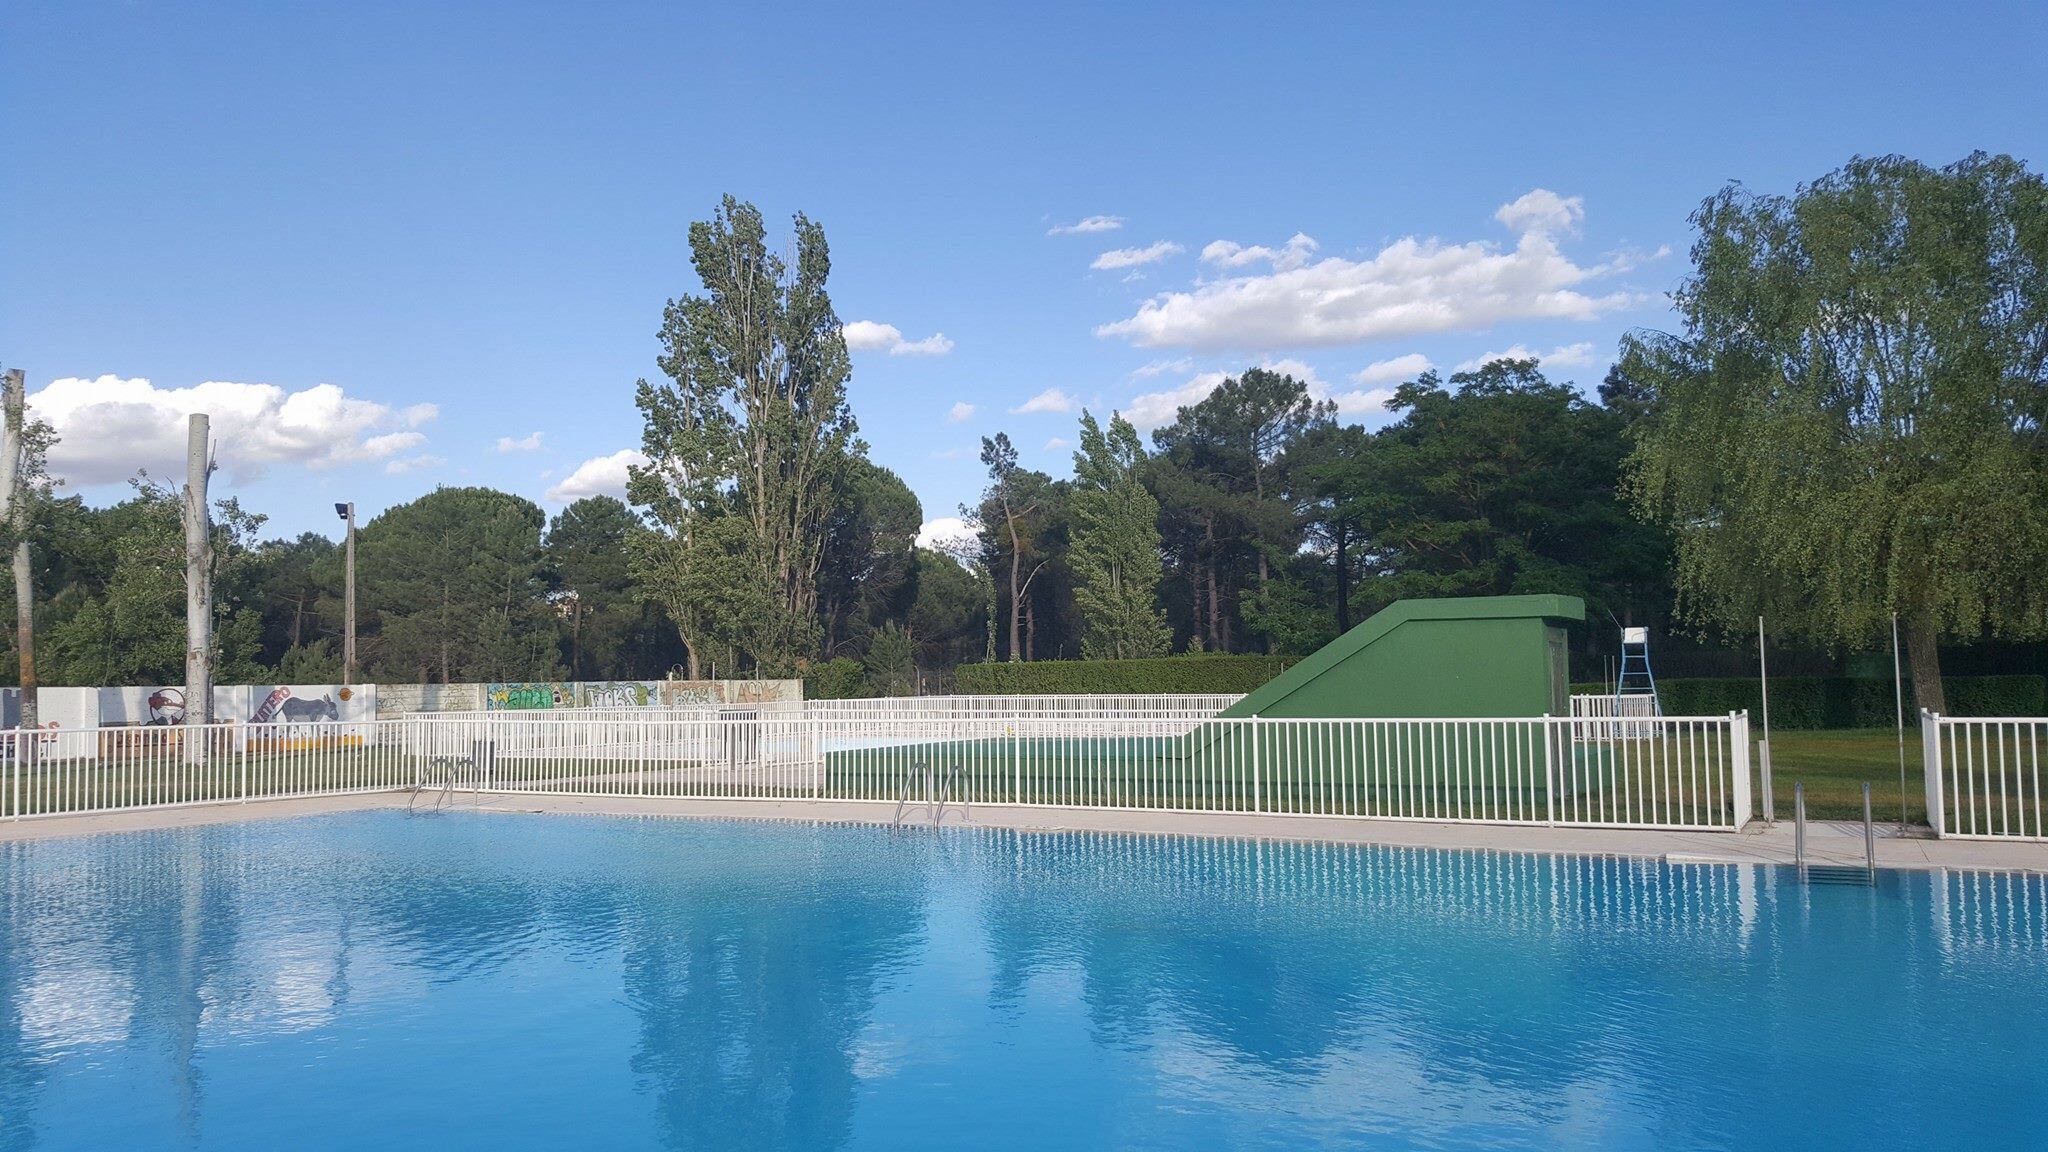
x=467 y=980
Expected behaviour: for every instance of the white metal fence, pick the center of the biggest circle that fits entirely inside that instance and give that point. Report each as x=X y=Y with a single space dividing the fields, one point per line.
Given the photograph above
x=1983 y=776
x=1667 y=772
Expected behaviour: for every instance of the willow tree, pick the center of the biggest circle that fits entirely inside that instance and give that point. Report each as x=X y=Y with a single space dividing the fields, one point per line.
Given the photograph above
x=1115 y=548
x=752 y=423
x=1850 y=424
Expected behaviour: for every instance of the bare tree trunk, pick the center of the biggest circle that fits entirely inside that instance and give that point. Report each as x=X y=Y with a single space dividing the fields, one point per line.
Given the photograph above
x=15 y=511
x=198 y=580
x=1923 y=660
x=1016 y=562
x=1343 y=535
x=1030 y=629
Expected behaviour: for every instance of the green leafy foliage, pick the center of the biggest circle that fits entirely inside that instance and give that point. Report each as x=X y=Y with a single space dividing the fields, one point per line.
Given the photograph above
x=1205 y=672
x=1115 y=546
x=1850 y=424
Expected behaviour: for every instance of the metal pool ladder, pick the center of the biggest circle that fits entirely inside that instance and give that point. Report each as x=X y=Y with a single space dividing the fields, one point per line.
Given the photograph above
x=937 y=790
x=1832 y=873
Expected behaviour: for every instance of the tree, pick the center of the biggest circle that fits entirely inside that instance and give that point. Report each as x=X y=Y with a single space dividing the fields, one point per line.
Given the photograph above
x=120 y=611
x=1115 y=546
x=1013 y=518
x=1850 y=424
x=948 y=613
x=454 y=589
x=865 y=577
x=752 y=423
x=711 y=587
x=891 y=662
x=600 y=606
x=1503 y=482
x=1216 y=476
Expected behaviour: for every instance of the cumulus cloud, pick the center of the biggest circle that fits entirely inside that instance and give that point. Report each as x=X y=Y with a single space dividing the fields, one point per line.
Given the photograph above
x=960 y=412
x=1230 y=254
x=869 y=336
x=1087 y=225
x=1152 y=409
x=1409 y=288
x=1133 y=257
x=1542 y=211
x=1050 y=400
x=946 y=534
x=1057 y=443
x=598 y=476
x=523 y=444
x=110 y=426
x=1156 y=367
x=1563 y=356
x=1399 y=368
x=406 y=464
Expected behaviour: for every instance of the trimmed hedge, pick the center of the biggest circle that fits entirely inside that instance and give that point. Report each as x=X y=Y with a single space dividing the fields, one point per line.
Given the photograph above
x=1198 y=672
x=1813 y=702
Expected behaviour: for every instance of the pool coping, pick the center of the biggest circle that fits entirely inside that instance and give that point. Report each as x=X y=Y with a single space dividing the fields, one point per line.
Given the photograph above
x=1828 y=842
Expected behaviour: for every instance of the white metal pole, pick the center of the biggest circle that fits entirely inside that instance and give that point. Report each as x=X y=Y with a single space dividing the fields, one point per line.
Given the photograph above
x=348 y=600
x=1899 y=696
x=1763 y=673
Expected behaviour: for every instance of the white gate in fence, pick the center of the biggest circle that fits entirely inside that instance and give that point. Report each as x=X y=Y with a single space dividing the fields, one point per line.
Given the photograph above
x=1983 y=776
x=1653 y=772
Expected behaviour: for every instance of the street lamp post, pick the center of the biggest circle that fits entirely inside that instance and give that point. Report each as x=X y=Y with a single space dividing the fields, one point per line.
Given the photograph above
x=348 y=596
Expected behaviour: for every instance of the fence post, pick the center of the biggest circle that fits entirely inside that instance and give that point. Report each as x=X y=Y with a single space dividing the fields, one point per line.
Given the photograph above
x=1256 y=804
x=1930 y=770
x=1738 y=739
x=1549 y=770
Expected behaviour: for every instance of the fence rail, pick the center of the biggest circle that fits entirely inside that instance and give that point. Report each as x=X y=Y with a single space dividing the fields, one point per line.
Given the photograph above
x=1983 y=776
x=1663 y=772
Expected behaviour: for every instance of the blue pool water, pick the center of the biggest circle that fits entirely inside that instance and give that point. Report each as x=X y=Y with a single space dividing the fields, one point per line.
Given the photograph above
x=474 y=981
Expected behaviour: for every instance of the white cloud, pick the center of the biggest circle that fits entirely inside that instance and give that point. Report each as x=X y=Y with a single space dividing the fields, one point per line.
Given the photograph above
x=1156 y=367
x=1361 y=401
x=1544 y=212
x=523 y=444
x=1050 y=400
x=1399 y=368
x=1153 y=409
x=413 y=464
x=1410 y=287
x=1087 y=225
x=1563 y=356
x=109 y=427
x=870 y=336
x=1230 y=254
x=946 y=534
x=598 y=476
x=1132 y=257
x=1057 y=443
x=960 y=412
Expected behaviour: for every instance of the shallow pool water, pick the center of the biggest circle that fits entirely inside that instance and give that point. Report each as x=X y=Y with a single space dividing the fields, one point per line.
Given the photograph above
x=466 y=980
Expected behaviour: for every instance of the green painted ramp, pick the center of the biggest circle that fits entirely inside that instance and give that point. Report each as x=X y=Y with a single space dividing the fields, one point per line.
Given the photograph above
x=1495 y=656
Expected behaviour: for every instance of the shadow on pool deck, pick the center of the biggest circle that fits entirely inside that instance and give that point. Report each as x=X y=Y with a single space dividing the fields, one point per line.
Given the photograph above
x=1836 y=842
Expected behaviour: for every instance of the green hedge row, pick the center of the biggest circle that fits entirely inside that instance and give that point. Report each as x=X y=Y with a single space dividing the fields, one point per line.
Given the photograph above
x=1202 y=672
x=1845 y=702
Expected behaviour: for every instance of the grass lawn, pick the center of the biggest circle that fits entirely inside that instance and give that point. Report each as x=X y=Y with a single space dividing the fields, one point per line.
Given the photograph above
x=1835 y=764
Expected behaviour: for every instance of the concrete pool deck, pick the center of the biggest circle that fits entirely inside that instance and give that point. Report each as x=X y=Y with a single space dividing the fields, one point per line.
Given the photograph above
x=1828 y=842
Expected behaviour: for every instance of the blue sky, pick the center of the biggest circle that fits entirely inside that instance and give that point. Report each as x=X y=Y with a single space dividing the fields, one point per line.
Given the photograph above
x=397 y=241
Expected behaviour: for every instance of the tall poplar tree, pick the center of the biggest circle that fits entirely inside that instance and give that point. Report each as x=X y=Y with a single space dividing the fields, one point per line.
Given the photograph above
x=752 y=423
x=1115 y=547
